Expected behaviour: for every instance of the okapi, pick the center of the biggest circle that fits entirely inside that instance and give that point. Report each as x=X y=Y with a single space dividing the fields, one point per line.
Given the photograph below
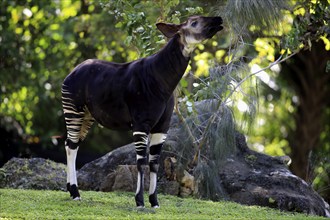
x=135 y=96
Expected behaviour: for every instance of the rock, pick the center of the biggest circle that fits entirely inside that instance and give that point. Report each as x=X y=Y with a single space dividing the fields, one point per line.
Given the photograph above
x=187 y=186
x=169 y=187
x=92 y=175
x=124 y=178
x=170 y=168
x=257 y=179
x=36 y=173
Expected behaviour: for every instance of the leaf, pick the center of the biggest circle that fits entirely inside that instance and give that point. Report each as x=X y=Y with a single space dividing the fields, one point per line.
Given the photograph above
x=184 y=83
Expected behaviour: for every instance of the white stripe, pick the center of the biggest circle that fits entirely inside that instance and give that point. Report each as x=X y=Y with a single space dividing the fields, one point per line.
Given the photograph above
x=153 y=157
x=64 y=98
x=74 y=136
x=157 y=138
x=139 y=157
x=73 y=112
x=67 y=101
x=141 y=142
x=140 y=147
x=74 y=126
x=153 y=183
x=76 y=119
x=65 y=91
x=68 y=164
x=73 y=122
x=139 y=180
x=71 y=160
x=73 y=133
x=139 y=132
x=67 y=107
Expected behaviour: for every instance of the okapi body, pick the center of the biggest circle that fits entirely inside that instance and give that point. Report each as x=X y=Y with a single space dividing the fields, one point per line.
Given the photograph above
x=135 y=96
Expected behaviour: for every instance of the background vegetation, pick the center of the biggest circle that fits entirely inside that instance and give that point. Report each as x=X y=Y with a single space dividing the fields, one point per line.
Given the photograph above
x=284 y=109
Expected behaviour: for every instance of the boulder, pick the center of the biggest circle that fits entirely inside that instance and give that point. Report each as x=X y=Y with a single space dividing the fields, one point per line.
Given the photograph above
x=35 y=173
x=124 y=178
x=93 y=175
x=253 y=178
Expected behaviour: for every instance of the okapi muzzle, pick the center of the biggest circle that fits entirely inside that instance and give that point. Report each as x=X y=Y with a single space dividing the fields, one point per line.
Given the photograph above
x=212 y=26
x=192 y=32
x=136 y=96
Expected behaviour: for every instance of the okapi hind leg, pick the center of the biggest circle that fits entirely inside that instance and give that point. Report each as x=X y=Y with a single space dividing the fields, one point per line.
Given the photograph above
x=156 y=144
x=78 y=120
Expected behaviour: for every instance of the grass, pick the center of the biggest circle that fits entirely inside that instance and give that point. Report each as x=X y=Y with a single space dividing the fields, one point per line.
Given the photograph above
x=34 y=204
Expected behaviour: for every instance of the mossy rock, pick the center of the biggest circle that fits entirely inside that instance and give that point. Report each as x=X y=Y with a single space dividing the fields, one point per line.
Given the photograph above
x=35 y=173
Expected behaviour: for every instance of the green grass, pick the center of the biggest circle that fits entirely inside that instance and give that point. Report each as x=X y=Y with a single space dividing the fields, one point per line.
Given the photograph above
x=34 y=204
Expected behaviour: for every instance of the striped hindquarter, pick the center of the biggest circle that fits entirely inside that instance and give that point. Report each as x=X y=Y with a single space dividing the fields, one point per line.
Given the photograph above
x=77 y=118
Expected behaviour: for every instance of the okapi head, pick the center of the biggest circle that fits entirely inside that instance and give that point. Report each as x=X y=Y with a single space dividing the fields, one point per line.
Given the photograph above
x=192 y=32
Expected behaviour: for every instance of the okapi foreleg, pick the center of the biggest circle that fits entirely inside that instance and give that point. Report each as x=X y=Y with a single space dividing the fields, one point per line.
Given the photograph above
x=141 y=142
x=156 y=143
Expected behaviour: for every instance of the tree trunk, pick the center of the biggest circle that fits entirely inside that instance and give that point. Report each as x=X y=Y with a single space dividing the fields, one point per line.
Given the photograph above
x=307 y=73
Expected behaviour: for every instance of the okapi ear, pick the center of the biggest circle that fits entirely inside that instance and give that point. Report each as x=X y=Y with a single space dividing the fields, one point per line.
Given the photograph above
x=169 y=30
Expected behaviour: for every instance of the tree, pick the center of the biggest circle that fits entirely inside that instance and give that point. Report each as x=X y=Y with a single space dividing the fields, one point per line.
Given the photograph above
x=308 y=73
x=295 y=97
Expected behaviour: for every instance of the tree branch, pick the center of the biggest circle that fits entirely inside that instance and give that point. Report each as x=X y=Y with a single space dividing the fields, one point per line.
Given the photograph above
x=220 y=103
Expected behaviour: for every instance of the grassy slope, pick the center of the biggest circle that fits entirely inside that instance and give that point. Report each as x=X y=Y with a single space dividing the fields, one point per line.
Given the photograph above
x=32 y=204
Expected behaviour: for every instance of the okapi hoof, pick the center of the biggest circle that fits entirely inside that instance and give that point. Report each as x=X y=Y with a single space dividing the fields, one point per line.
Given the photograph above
x=139 y=200
x=74 y=193
x=153 y=200
x=76 y=199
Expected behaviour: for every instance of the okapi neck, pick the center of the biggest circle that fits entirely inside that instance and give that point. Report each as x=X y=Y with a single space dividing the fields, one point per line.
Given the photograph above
x=170 y=63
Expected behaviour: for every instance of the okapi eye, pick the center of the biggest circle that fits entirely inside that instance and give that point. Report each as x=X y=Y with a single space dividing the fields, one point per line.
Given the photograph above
x=194 y=24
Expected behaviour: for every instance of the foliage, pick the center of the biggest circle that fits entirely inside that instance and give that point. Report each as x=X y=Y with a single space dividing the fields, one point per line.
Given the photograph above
x=251 y=14
x=31 y=204
x=311 y=23
x=42 y=42
x=139 y=24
